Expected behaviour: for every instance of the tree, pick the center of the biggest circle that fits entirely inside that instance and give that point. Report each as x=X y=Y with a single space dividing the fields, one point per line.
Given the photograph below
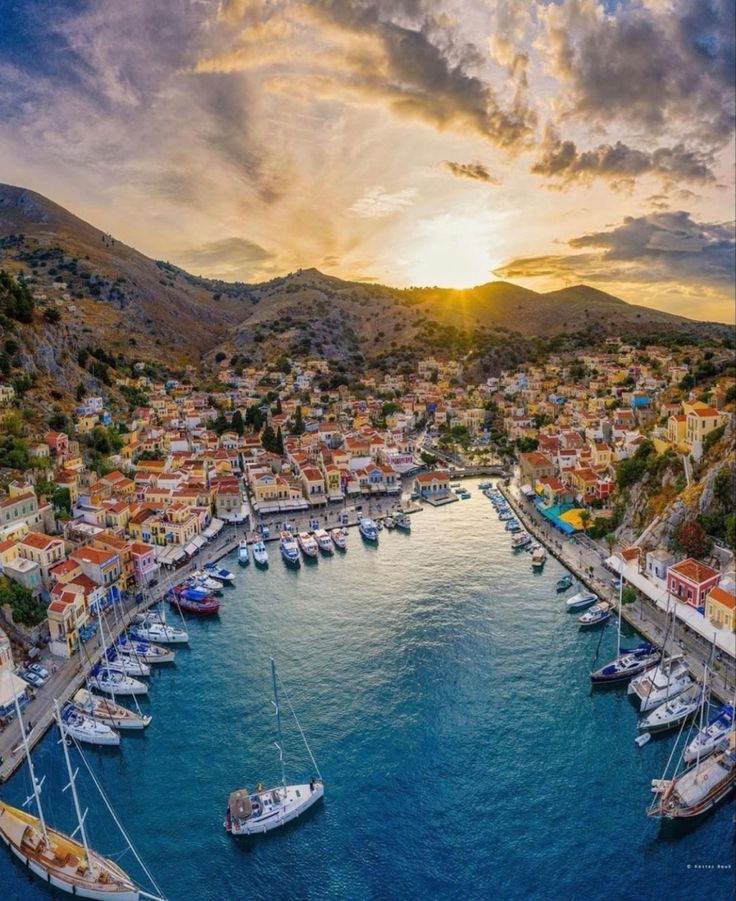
x=628 y=595
x=237 y=425
x=220 y=356
x=585 y=518
x=52 y=315
x=298 y=422
x=268 y=439
x=26 y=609
x=279 y=442
x=62 y=501
x=690 y=537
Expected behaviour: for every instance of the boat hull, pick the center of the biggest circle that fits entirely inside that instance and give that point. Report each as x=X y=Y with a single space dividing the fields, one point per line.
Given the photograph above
x=279 y=817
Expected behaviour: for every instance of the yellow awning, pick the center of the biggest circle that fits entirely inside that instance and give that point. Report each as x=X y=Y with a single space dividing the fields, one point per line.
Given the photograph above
x=573 y=517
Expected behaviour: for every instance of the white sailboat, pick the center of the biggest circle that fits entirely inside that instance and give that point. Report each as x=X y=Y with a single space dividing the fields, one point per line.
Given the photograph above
x=107 y=711
x=657 y=685
x=85 y=728
x=251 y=813
x=60 y=860
x=674 y=712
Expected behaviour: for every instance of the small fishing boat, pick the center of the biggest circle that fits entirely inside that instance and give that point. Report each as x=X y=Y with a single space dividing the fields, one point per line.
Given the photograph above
x=84 y=728
x=220 y=573
x=666 y=680
x=190 y=592
x=324 y=542
x=711 y=735
x=513 y=525
x=674 y=712
x=340 y=538
x=289 y=549
x=251 y=813
x=627 y=664
x=260 y=554
x=539 y=557
x=308 y=545
x=208 y=606
x=403 y=523
x=521 y=540
x=505 y=515
x=243 y=554
x=464 y=495
x=389 y=522
x=484 y=485
x=564 y=583
x=595 y=616
x=113 y=683
x=368 y=529
x=581 y=600
x=160 y=632
x=700 y=787
x=107 y=711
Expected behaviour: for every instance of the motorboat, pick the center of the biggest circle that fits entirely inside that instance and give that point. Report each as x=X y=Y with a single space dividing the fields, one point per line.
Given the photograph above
x=368 y=529
x=389 y=522
x=698 y=788
x=660 y=683
x=107 y=711
x=160 y=632
x=340 y=538
x=220 y=573
x=207 y=606
x=521 y=540
x=539 y=557
x=324 y=542
x=711 y=735
x=581 y=600
x=627 y=664
x=513 y=525
x=265 y=809
x=114 y=683
x=505 y=514
x=308 y=545
x=564 y=583
x=289 y=549
x=243 y=553
x=84 y=728
x=596 y=615
x=200 y=581
x=674 y=712
x=260 y=554
x=403 y=523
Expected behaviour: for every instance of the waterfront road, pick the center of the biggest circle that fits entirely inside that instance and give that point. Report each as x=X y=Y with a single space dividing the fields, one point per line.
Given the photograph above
x=585 y=559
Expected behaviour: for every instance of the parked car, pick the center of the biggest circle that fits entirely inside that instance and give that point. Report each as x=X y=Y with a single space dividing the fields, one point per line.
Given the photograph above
x=39 y=670
x=31 y=678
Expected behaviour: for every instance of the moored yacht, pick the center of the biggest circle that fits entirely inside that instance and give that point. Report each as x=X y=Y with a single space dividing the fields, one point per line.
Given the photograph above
x=308 y=545
x=596 y=615
x=324 y=542
x=122 y=663
x=289 y=549
x=581 y=600
x=539 y=557
x=85 y=728
x=627 y=664
x=673 y=712
x=700 y=787
x=403 y=522
x=340 y=538
x=709 y=737
x=161 y=632
x=368 y=529
x=203 y=582
x=664 y=681
x=207 y=606
x=521 y=540
x=144 y=650
x=107 y=711
x=115 y=683
x=243 y=554
x=260 y=554
x=220 y=573
x=389 y=522
x=564 y=582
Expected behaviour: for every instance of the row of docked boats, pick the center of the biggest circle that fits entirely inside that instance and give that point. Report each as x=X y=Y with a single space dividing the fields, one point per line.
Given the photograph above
x=260 y=553
x=309 y=545
x=520 y=539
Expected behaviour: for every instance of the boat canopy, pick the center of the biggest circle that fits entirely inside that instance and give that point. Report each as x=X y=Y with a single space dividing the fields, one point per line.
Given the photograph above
x=239 y=804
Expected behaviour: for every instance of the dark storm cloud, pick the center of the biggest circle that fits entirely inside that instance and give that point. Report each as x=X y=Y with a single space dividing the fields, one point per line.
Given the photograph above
x=659 y=247
x=668 y=69
x=475 y=170
x=563 y=162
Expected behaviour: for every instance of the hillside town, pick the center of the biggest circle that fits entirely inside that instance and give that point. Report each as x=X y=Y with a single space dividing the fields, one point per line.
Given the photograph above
x=111 y=500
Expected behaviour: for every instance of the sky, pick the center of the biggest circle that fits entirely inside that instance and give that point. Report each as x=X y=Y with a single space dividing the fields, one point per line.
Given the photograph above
x=407 y=142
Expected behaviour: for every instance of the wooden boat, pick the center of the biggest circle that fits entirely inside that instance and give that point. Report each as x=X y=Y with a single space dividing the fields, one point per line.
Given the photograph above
x=107 y=711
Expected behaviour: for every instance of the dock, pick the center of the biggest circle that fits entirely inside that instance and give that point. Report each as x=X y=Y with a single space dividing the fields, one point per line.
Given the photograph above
x=585 y=560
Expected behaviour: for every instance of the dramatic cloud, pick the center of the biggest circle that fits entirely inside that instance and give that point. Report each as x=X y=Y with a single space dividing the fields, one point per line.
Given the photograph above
x=618 y=163
x=473 y=170
x=227 y=256
x=660 y=247
x=664 y=67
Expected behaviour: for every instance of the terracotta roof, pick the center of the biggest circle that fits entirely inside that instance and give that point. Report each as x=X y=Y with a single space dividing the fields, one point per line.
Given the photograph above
x=704 y=411
x=723 y=597
x=427 y=477
x=694 y=571
x=38 y=540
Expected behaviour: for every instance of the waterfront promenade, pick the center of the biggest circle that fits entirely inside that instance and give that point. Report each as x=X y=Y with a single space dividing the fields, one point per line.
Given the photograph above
x=67 y=676
x=585 y=559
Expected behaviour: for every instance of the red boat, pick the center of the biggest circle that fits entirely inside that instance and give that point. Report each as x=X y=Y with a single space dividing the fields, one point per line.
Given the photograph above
x=209 y=606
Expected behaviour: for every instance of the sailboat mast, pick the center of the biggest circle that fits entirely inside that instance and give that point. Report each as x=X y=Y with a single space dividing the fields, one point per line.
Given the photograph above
x=278 y=722
x=72 y=782
x=620 y=607
x=27 y=750
x=105 y=650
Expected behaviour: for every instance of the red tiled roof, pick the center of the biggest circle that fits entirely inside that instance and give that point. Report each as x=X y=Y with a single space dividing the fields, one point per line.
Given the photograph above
x=694 y=571
x=723 y=597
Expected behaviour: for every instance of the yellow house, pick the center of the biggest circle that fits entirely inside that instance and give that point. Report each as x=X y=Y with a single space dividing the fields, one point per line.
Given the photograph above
x=720 y=608
x=268 y=488
x=86 y=422
x=676 y=428
x=700 y=423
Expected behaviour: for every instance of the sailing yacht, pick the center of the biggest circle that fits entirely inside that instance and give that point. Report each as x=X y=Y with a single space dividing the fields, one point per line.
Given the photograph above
x=144 y=650
x=250 y=813
x=673 y=712
x=60 y=860
x=160 y=632
x=711 y=735
x=85 y=728
x=627 y=664
x=698 y=788
x=107 y=711
x=260 y=554
x=657 y=685
x=125 y=663
x=114 y=683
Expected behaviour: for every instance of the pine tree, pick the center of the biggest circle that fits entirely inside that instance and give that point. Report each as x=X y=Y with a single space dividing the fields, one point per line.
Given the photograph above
x=238 y=425
x=298 y=422
x=268 y=439
x=279 y=442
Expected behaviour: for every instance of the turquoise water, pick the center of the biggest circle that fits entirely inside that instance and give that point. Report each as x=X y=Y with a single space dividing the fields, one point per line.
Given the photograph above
x=444 y=692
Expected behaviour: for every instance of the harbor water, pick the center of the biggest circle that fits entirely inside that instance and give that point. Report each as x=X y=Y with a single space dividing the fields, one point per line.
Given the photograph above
x=444 y=691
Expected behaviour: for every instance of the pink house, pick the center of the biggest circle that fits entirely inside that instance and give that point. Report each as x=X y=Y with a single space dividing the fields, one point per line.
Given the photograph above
x=145 y=565
x=690 y=581
x=58 y=442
